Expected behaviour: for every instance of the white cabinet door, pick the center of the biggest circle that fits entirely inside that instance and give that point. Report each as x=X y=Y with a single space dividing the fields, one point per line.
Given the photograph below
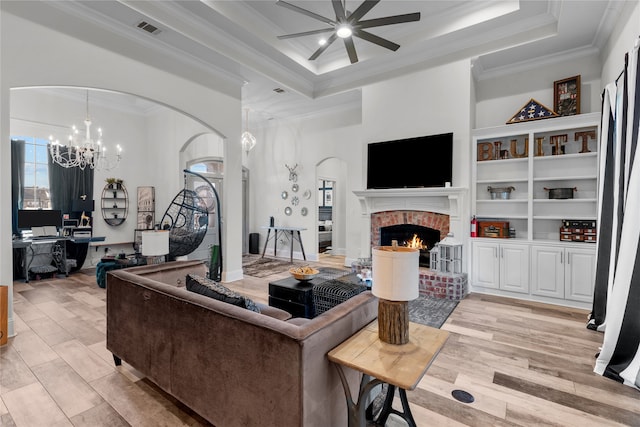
x=485 y=265
x=547 y=264
x=514 y=267
x=580 y=274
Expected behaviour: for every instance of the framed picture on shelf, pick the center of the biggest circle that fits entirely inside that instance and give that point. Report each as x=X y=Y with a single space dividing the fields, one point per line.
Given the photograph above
x=566 y=96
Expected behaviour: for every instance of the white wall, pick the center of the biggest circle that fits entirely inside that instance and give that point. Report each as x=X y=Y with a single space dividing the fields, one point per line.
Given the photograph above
x=182 y=139
x=499 y=98
x=427 y=102
x=304 y=142
x=622 y=40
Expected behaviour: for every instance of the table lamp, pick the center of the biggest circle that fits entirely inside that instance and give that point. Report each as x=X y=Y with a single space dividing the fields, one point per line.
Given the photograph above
x=395 y=283
x=155 y=245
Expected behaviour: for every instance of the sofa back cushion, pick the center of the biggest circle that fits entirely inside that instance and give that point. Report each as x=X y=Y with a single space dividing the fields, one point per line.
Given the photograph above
x=213 y=289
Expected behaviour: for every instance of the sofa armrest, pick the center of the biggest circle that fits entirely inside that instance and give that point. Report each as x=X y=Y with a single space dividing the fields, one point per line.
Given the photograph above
x=274 y=312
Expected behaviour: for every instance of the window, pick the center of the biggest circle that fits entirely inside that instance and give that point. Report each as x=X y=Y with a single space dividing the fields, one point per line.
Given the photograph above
x=36 y=173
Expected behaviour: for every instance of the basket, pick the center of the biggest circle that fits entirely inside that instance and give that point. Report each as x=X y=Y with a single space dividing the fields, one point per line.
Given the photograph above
x=303 y=273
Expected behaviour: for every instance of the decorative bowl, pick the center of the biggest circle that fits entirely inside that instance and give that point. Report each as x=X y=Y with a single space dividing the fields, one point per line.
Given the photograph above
x=303 y=273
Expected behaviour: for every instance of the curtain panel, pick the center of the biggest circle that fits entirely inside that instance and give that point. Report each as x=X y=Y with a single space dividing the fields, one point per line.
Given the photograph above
x=616 y=306
x=17 y=181
x=69 y=184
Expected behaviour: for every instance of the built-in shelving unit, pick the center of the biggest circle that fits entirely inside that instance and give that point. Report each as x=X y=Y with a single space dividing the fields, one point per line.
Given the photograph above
x=114 y=204
x=533 y=157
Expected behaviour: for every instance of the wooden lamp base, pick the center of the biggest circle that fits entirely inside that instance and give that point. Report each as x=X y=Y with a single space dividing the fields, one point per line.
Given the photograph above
x=393 y=321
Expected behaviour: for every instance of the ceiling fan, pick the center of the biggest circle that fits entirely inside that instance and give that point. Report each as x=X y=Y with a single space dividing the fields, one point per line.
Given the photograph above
x=348 y=25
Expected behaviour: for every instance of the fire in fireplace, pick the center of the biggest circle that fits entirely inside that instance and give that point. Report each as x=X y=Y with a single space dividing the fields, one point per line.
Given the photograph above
x=416 y=236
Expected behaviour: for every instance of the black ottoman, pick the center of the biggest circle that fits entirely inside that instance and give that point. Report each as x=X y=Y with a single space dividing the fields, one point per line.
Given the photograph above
x=333 y=292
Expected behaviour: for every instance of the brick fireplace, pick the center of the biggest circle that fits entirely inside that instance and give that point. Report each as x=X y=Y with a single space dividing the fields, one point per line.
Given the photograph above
x=432 y=220
x=434 y=208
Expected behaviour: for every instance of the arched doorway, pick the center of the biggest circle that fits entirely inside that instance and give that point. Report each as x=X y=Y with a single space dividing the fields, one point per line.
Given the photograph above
x=212 y=168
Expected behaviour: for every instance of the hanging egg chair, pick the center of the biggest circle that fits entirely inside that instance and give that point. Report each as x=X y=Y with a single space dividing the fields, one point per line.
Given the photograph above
x=187 y=219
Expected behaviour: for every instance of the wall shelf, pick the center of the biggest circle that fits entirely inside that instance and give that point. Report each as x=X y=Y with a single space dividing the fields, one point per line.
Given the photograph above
x=114 y=194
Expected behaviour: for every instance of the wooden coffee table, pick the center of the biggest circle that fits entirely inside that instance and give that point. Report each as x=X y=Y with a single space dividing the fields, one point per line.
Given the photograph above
x=400 y=366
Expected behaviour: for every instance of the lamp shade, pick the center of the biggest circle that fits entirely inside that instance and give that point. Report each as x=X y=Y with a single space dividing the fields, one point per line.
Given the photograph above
x=155 y=243
x=395 y=273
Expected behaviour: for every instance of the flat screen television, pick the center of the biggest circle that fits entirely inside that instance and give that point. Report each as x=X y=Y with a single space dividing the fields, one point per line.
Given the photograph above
x=28 y=218
x=425 y=161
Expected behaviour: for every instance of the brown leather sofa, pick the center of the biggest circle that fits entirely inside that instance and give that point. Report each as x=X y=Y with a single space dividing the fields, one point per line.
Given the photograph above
x=232 y=366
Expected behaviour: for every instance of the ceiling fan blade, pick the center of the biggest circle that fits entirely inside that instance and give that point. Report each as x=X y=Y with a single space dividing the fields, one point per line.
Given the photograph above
x=305 y=12
x=375 y=39
x=324 y=47
x=362 y=10
x=305 y=33
x=389 y=20
x=351 y=49
x=338 y=8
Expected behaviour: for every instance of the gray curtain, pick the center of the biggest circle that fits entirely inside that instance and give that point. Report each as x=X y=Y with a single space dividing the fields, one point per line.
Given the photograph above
x=68 y=184
x=617 y=288
x=17 y=181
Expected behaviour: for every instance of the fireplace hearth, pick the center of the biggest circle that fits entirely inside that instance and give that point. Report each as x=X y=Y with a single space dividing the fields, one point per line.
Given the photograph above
x=420 y=237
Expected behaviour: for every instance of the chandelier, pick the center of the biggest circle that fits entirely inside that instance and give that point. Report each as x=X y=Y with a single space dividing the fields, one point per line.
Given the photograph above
x=83 y=152
x=247 y=139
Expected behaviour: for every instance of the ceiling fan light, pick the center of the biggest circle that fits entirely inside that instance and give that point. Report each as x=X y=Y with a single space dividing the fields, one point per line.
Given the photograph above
x=343 y=31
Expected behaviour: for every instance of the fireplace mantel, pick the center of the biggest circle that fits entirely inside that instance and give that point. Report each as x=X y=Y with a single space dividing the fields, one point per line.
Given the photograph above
x=446 y=200
x=443 y=200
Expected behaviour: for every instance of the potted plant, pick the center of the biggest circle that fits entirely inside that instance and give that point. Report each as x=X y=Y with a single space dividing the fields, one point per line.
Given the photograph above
x=119 y=184
x=111 y=182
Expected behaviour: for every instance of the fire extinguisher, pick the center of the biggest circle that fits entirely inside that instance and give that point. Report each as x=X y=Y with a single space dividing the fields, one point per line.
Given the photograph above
x=474 y=227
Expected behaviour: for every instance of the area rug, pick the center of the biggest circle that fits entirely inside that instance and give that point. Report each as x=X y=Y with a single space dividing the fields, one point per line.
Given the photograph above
x=263 y=267
x=430 y=311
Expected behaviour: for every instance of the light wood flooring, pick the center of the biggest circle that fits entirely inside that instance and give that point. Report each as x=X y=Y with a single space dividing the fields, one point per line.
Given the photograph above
x=525 y=363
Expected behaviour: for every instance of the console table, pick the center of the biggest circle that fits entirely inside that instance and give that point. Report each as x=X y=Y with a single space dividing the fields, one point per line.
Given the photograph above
x=294 y=232
x=400 y=366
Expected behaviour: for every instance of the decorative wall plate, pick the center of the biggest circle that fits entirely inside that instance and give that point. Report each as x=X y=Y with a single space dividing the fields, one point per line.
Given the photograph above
x=307 y=194
x=295 y=200
x=287 y=211
x=295 y=188
x=304 y=211
x=284 y=195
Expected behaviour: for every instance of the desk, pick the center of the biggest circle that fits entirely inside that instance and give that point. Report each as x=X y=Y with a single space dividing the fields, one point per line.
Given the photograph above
x=44 y=246
x=295 y=235
x=400 y=366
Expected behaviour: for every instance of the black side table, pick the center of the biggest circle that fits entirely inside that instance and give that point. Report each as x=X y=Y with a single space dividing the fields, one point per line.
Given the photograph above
x=293 y=296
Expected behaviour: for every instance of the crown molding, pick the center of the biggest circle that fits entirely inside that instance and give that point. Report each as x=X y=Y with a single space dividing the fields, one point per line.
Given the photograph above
x=481 y=73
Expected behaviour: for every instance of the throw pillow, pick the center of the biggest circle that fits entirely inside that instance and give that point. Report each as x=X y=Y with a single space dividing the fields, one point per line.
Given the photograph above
x=213 y=289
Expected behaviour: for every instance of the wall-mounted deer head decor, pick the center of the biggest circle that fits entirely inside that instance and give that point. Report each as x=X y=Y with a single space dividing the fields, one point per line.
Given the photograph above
x=293 y=175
